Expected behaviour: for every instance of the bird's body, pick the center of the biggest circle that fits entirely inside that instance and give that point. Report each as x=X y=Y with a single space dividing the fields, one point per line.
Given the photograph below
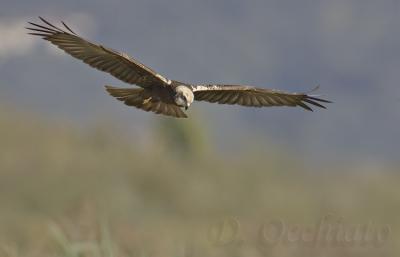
x=167 y=100
x=157 y=93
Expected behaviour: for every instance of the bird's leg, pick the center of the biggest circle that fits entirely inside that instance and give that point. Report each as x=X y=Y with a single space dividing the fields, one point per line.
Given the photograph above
x=145 y=101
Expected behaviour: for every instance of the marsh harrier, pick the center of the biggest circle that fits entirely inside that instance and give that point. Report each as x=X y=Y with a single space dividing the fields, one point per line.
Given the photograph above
x=156 y=93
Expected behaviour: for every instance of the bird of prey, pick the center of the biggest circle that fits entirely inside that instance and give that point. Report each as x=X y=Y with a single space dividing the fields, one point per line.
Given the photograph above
x=156 y=93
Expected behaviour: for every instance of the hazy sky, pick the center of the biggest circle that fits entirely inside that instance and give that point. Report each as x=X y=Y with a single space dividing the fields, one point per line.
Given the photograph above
x=351 y=48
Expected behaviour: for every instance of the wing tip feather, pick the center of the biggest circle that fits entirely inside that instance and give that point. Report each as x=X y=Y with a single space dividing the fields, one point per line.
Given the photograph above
x=50 y=29
x=314 y=101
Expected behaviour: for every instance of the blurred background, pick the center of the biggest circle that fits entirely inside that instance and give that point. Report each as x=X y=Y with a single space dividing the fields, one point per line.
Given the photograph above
x=81 y=174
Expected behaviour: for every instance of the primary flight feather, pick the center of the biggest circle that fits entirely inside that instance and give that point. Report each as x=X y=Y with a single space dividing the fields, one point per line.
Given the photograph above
x=157 y=93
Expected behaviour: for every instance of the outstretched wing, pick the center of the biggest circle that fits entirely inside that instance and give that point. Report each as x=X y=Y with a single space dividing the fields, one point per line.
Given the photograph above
x=253 y=96
x=120 y=65
x=143 y=99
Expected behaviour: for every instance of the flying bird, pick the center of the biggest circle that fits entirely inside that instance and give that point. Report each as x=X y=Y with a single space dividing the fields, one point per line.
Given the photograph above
x=156 y=93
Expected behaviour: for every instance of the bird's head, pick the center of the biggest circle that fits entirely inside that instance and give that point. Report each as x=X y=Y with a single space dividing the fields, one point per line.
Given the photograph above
x=183 y=96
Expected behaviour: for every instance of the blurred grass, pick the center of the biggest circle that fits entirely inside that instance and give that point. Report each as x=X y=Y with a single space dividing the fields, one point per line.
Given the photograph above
x=69 y=191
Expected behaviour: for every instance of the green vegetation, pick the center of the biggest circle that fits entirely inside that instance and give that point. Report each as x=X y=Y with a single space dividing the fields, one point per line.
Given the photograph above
x=68 y=191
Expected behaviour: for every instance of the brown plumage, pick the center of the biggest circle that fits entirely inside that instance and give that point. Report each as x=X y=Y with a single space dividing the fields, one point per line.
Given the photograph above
x=146 y=100
x=253 y=96
x=157 y=93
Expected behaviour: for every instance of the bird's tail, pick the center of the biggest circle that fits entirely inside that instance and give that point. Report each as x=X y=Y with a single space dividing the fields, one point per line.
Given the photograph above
x=131 y=96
